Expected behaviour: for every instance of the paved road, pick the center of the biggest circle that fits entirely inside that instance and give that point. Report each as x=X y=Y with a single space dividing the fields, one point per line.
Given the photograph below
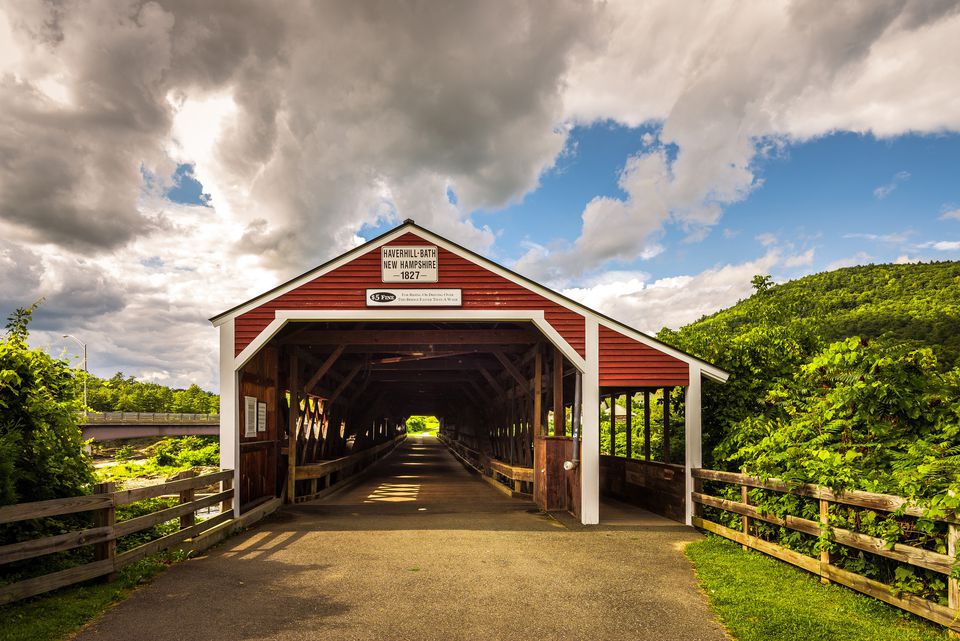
x=424 y=550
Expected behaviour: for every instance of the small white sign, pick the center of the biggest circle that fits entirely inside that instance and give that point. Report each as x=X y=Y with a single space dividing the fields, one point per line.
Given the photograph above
x=249 y=415
x=414 y=298
x=261 y=417
x=402 y=264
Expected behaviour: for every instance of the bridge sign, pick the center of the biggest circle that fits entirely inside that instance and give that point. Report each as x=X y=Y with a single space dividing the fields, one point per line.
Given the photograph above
x=409 y=264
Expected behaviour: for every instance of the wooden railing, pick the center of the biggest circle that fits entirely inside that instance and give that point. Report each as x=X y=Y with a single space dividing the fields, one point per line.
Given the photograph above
x=325 y=474
x=106 y=530
x=510 y=476
x=141 y=418
x=918 y=557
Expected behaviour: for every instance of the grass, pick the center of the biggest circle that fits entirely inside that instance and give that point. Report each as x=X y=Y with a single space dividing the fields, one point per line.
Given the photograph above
x=759 y=598
x=53 y=616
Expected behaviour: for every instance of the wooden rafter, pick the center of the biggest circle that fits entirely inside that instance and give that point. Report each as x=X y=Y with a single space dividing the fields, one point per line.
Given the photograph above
x=491 y=379
x=324 y=368
x=346 y=381
x=512 y=370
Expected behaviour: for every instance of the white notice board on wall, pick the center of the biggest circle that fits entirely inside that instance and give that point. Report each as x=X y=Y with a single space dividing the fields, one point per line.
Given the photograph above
x=261 y=417
x=249 y=415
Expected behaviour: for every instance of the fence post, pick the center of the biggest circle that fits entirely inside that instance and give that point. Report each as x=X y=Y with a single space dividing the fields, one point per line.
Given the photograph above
x=824 y=553
x=107 y=517
x=227 y=504
x=745 y=499
x=187 y=496
x=953 y=587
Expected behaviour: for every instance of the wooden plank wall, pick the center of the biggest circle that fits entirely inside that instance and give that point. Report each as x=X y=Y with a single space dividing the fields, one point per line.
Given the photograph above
x=345 y=288
x=259 y=454
x=658 y=487
x=625 y=362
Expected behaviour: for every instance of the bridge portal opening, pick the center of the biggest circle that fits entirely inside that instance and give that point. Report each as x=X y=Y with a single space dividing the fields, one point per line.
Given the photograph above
x=500 y=395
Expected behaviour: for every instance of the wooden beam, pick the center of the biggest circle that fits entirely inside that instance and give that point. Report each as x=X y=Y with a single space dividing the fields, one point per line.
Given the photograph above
x=292 y=425
x=323 y=369
x=512 y=370
x=346 y=381
x=666 y=424
x=493 y=381
x=646 y=425
x=629 y=407
x=538 y=394
x=418 y=337
x=559 y=414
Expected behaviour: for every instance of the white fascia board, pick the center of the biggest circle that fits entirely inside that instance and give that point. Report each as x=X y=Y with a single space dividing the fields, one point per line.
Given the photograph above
x=534 y=316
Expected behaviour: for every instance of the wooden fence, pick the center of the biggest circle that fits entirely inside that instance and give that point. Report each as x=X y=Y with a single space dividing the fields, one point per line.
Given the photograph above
x=822 y=566
x=504 y=476
x=106 y=530
x=324 y=475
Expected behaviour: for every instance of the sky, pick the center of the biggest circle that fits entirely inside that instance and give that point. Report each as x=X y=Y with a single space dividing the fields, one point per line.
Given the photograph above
x=163 y=161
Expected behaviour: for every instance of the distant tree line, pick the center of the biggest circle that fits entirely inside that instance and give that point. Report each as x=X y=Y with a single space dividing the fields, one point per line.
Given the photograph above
x=121 y=393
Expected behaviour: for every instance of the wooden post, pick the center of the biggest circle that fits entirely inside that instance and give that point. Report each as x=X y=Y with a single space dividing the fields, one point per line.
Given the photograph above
x=559 y=411
x=745 y=499
x=292 y=420
x=227 y=504
x=953 y=586
x=646 y=425
x=824 y=554
x=107 y=517
x=629 y=407
x=613 y=425
x=666 y=424
x=537 y=394
x=187 y=496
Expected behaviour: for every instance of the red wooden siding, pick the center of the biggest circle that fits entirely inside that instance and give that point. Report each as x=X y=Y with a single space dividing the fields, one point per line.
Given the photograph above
x=625 y=362
x=344 y=288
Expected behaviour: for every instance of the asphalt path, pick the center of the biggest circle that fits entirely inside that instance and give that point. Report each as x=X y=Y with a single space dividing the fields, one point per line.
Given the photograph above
x=422 y=549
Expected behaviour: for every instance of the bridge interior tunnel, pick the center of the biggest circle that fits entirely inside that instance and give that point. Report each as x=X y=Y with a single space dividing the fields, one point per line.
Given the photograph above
x=503 y=392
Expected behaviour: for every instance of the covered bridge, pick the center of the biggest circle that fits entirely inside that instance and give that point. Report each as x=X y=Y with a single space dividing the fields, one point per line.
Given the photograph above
x=330 y=364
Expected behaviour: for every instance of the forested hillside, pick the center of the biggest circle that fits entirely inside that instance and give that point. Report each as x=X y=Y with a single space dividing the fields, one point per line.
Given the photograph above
x=765 y=340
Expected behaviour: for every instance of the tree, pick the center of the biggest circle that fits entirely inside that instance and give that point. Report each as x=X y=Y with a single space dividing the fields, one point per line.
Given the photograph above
x=762 y=282
x=41 y=455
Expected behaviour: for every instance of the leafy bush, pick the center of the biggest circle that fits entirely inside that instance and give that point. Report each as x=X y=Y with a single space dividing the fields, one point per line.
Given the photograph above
x=41 y=454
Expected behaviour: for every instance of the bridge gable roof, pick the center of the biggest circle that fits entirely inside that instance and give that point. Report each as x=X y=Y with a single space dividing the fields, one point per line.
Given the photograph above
x=409 y=227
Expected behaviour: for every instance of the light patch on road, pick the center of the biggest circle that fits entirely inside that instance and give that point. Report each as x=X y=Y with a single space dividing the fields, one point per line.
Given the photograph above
x=394 y=493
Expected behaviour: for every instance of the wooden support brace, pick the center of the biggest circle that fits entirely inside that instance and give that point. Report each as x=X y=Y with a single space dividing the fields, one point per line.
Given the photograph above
x=512 y=370
x=292 y=423
x=629 y=408
x=323 y=369
x=745 y=499
x=666 y=424
x=537 y=394
x=187 y=496
x=646 y=425
x=953 y=586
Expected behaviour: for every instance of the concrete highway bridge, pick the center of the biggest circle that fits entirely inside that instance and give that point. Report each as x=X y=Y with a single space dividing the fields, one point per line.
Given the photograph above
x=113 y=426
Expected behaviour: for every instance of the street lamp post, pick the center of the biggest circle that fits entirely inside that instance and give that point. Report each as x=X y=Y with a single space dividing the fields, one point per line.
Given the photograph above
x=84 y=346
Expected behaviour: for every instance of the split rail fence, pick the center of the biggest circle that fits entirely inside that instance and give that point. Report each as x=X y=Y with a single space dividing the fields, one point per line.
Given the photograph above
x=106 y=529
x=948 y=615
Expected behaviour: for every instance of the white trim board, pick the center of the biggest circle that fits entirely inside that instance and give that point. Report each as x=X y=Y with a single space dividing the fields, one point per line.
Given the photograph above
x=284 y=316
x=708 y=369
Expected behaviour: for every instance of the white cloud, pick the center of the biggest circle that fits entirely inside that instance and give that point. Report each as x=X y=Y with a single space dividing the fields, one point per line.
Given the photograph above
x=800 y=260
x=860 y=258
x=766 y=239
x=950 y=214
x=674 y=301
x=941 y=245
x=885 y=190
x=898 y=237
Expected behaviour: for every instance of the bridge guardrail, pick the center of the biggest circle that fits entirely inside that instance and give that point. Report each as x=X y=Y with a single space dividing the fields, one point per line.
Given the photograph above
x=141 y=418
